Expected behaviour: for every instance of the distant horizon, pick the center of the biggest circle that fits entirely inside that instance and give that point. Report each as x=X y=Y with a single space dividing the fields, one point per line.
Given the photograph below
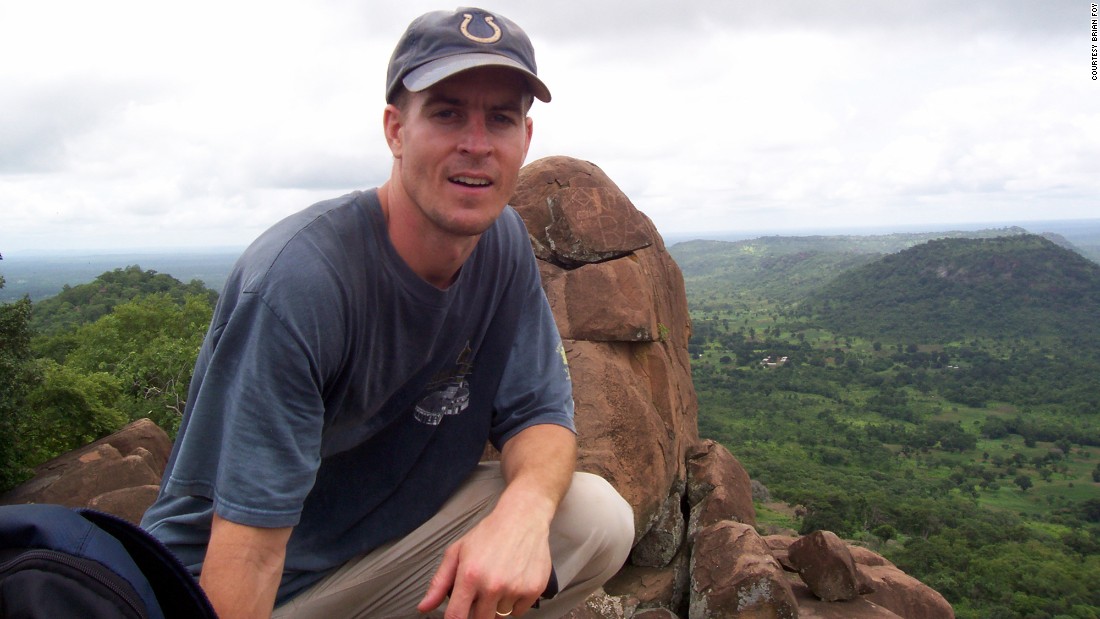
x=1057 y=226
x=1037 y=226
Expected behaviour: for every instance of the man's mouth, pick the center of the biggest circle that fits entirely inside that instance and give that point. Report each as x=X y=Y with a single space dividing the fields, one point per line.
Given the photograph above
x=469 y=181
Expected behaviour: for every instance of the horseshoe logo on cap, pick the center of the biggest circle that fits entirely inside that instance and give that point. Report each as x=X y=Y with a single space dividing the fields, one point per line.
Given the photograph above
x=475 y=38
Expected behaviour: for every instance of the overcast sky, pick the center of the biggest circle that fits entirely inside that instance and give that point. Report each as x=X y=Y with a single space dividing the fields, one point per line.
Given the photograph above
x=146 y=124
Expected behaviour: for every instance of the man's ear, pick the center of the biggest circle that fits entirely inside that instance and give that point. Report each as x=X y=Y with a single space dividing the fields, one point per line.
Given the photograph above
x=392 y=122
x=530 y=127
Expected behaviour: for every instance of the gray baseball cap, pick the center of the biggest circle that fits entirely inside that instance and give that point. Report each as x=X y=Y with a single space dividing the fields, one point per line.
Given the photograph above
x=440 y=44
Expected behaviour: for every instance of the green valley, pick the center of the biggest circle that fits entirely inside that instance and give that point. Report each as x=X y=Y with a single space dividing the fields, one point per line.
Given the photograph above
x=934 y=398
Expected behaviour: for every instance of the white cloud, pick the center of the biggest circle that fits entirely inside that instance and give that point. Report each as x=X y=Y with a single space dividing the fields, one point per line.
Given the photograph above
x=130 y=124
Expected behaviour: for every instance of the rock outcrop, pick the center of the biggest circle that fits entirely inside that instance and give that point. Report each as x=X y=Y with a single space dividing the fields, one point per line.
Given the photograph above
x=118 y=474
x=620 y=305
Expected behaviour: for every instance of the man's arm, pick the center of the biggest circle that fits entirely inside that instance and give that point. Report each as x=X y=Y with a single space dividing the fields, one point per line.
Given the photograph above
x=503 y=563
x=243 y=568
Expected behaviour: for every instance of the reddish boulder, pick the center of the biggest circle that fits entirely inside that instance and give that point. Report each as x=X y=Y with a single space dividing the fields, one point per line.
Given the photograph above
x=825 y=564
x=625 y=311
x=864 y=556
x=600 y=605
x=127 y=503
x=779 y=546
x=718 y=487
x=734 y=576
x=811 y=607
x=904 y=594
x=653 y=587
x=134 y=456
x=619 y=302
x=576 y=215
x=621 y=437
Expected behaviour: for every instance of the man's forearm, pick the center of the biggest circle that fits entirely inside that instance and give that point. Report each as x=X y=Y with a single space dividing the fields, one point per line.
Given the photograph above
x=243 y=568
x=538 y=465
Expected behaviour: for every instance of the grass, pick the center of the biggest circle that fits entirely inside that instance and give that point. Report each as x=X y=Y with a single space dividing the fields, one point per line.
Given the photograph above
x=775 y=515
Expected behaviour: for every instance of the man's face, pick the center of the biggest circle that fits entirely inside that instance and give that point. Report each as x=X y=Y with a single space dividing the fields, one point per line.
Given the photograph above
x=459 y=146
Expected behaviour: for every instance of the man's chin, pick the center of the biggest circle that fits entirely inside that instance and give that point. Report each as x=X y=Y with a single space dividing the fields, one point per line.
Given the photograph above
x=470 y=221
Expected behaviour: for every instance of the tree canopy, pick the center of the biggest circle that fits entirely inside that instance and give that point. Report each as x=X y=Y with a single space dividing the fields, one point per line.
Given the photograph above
x=109 y=352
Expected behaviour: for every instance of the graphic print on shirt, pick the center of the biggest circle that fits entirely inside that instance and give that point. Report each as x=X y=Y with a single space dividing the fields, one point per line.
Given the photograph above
x=448 y=393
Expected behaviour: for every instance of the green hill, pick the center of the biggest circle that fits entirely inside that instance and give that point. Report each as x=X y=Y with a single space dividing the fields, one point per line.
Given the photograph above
x=85 y=303
x=785 y=269
x=1022 y=286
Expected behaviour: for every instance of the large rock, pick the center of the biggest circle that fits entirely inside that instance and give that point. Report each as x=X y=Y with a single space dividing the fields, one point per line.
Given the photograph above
x=656 y=613
x=619 y=301
x=718 y=487
x=653 y=587
x=734 y=576
x=825 y=564
x=624 y=312
x=103 y=474
x=127 y=503
x=778 y=546
x=576 y=215
x=812 y=607
x=865 y=556
x=601 y=605
x=905 y=595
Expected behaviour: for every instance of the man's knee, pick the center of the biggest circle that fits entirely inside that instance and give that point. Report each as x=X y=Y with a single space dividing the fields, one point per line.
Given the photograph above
x=607 y=518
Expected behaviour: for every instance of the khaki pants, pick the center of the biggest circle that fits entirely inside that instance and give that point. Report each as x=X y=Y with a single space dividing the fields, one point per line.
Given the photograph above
x=590 y=538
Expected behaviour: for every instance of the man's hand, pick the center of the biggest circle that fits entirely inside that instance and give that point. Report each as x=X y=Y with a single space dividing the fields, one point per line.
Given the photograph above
x=502 y=565
x=242 y=569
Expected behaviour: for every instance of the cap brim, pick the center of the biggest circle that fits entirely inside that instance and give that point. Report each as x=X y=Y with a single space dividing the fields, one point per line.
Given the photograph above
x=438 y=70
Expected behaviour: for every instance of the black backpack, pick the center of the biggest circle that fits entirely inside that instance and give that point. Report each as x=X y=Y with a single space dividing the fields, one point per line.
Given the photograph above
x=59 y=562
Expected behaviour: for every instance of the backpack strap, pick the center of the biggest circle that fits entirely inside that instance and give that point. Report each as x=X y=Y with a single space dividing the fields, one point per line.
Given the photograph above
x=177 y=591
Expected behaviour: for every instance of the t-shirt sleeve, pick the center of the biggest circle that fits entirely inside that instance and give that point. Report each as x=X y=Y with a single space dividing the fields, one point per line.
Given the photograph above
x=252 y=442
x=536 y=387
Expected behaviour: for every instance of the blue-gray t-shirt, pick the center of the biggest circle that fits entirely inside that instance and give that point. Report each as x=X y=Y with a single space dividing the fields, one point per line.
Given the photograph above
x=338 y=393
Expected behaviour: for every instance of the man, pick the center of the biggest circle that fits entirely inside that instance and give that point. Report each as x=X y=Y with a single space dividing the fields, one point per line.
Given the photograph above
x=361 y=355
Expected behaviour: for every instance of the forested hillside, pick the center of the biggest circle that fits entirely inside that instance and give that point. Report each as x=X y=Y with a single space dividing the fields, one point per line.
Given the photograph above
x=1003 y=288
x=785 y=269
x=77 y=305
x=938 y=403
x=81 y=365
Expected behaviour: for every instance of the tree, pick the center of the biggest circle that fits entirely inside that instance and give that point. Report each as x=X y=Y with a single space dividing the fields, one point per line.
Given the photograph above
x=149 y=345
x=17 y=377
x=1024 y=482
x=70 y=409
x=885 y=532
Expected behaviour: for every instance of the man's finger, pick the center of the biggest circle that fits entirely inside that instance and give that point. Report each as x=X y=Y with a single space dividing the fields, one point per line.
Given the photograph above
x=441 y=584
x=505 y=608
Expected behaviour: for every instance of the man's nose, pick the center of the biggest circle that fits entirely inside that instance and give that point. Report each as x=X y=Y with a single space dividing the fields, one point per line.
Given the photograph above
x=475 y=138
